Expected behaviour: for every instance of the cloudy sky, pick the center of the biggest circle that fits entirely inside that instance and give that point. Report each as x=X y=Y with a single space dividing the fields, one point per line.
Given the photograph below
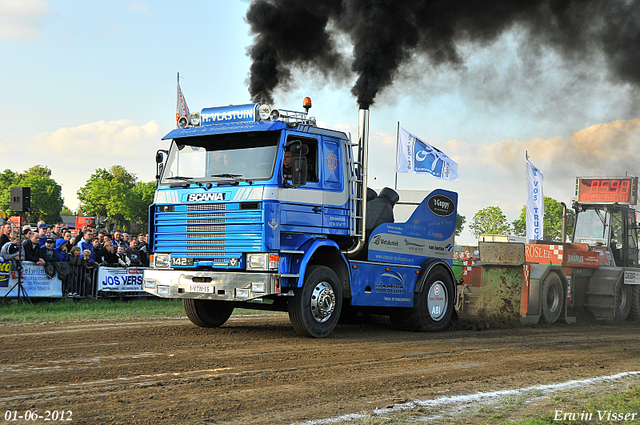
x=87 y=85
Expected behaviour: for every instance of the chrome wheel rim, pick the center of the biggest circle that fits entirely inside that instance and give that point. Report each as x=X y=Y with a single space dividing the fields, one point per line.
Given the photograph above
x=323 y=302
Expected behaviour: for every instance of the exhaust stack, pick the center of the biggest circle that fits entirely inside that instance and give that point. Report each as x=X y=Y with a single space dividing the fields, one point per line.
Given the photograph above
x=361 y=188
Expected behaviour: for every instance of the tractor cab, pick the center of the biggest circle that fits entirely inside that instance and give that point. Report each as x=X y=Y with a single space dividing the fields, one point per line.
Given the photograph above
x=606 y=218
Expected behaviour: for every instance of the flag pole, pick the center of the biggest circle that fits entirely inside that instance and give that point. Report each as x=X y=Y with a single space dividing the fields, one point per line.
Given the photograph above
x=395 y=170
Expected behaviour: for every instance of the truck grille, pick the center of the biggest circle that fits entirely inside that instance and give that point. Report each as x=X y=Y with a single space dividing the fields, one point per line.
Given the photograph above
x=214 y=233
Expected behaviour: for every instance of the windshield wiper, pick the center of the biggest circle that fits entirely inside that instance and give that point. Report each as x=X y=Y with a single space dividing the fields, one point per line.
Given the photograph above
x=235 y=178
x=187 y=179
x=229 y=176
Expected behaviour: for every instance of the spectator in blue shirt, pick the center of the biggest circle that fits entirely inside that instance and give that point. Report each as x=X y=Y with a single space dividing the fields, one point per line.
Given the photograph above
x=85 y=243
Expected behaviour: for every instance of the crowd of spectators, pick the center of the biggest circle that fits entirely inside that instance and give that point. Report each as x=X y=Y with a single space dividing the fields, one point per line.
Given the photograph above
x=73 y=258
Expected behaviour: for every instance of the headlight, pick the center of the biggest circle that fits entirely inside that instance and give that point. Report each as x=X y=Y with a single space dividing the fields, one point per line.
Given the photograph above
x=264 y=111
x=161 y=261
x=263 y=261
x=195 y=118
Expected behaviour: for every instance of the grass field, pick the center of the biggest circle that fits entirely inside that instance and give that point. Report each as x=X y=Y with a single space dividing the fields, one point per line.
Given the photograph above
x=69 y=310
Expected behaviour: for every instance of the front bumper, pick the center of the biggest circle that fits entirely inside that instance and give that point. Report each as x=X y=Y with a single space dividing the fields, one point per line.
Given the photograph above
x=224 y=286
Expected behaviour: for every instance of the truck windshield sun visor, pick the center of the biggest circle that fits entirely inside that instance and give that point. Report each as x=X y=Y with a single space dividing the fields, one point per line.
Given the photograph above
x=225 y=158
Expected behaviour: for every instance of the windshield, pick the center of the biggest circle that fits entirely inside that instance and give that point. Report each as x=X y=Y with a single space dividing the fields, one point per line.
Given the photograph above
x=222 y=158
x=592 y=227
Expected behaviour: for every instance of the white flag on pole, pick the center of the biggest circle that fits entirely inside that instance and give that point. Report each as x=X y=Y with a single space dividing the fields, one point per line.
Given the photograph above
x=416 y=156
x=182 y=110
x=535 y=203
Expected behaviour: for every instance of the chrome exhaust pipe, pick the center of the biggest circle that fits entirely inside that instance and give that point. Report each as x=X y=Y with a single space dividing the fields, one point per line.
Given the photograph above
x=363 y=158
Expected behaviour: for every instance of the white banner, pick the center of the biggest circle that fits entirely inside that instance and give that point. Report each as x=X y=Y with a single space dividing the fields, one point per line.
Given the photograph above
x=182 y=110
x=34 y=281
x=118 y=279
x=416 y=156
x=535 y=203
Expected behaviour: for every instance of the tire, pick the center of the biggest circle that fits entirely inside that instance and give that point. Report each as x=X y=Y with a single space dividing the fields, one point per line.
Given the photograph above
x=624 y=295
x=315 y=309
x=552 y=298
x=207 y=313
x=432 y=307
x=634 y=307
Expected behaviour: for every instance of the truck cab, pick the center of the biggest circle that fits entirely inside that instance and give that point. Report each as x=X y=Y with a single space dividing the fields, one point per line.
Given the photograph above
x=260 y=208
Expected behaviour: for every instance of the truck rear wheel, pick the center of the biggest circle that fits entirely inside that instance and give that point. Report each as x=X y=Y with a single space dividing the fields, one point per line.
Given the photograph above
x=315 y=309
x=634 y=308
x=432 y=307
x=552 y=297
x=207 y=313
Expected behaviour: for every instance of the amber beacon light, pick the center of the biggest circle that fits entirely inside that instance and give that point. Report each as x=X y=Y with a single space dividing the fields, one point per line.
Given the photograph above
x=306 y=104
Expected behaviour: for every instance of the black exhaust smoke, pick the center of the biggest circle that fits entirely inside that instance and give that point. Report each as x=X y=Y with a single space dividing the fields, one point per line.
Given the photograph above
x=385 y=34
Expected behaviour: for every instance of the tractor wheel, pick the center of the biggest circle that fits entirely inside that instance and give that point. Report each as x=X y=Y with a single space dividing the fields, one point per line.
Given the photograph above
x=624 y=295
x=552 y=297
x=634 y=307
x=432 y=307
x=315 y=309
x=207 y=313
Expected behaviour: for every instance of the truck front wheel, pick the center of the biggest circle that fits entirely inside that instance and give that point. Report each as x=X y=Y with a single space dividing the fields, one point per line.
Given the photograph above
x=315 y=309
x=432 y=307
x=207 y=313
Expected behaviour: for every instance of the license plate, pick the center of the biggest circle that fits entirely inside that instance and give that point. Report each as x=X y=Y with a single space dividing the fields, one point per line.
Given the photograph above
x=182 y=261
x=201 y=289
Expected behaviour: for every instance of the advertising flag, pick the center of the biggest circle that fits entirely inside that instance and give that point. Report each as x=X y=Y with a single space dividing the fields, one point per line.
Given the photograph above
x=535 y=203
x=416 y=156
x=182 y=110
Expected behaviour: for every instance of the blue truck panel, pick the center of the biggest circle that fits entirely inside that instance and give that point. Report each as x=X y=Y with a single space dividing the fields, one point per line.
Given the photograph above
x=382 y=285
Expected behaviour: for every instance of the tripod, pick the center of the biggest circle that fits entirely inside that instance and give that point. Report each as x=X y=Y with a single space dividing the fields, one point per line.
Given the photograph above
x=22 y=293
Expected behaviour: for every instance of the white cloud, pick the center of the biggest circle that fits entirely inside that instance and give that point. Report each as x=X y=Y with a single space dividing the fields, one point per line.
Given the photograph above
x=114 y=139
x=22 y=19
x=74 y=153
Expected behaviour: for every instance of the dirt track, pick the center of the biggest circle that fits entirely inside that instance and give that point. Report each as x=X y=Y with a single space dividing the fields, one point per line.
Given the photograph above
x=256 y=370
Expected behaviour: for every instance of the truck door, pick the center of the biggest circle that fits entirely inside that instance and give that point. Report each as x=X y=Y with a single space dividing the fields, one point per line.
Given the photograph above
x=301 y=207
x=334 y=182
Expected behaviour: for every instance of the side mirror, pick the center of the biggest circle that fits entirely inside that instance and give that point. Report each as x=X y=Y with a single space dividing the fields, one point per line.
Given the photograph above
x=299 y=163
x=299 y=171
x=160 y=162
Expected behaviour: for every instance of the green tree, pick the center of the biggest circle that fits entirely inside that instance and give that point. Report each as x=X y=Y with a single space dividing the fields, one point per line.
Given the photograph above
x=490 y=220
x=460 y=220
x=116 y=195
x=552 y=220
x=46 y=193
x=144 y=193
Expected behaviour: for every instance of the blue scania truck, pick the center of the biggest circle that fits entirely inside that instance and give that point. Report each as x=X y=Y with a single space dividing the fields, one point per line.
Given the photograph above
x=260 y=208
